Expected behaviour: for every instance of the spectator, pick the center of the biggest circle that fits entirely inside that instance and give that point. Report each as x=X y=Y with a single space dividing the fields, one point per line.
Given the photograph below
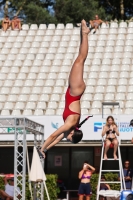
x=128 y=174
x=6 y=23
x=111 y=130
x=16 y=23
x=8 y=194
x=96 y=23
x=85 y=176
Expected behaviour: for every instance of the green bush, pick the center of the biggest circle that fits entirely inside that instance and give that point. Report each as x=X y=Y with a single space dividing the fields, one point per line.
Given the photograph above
x=51 y=184
x=108 y=177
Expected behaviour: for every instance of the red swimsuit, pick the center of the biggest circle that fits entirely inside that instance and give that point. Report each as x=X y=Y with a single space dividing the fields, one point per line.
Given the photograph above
x=68 y=100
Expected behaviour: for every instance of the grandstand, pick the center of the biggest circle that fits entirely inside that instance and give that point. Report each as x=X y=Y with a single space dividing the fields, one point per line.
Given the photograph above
x=35 y=63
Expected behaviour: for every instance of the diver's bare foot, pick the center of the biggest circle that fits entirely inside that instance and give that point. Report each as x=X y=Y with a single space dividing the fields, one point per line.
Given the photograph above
x=85 y=29
x=41 y=152
x=105 y=157
x=115 y=157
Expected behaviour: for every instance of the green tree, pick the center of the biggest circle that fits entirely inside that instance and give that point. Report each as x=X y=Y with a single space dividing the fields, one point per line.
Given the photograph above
x=120 y=9
x=73 y=11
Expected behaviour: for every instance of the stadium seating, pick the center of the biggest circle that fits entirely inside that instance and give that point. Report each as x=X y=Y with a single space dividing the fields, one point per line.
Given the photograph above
x=35 y=64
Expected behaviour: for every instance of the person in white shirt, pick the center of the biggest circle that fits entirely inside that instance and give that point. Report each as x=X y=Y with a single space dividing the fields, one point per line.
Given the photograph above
x=8 y=194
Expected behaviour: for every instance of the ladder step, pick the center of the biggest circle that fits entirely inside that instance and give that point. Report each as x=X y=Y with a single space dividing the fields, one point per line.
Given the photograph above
x=110 y=159
x=110 y=182
x=110 y=170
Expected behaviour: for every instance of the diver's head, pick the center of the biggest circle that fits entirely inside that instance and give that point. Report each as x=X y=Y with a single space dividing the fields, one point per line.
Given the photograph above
x=75 y=136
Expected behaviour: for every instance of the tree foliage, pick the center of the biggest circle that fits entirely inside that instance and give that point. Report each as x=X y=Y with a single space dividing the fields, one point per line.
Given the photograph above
x=73 y=11
x=120 y=9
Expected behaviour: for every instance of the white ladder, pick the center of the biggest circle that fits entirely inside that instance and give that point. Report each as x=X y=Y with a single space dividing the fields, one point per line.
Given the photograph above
x=120 y=171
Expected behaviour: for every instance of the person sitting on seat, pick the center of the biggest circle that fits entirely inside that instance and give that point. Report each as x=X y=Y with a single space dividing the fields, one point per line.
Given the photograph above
x=16 y=23
x=8 y=194
x=111 y=130
x=96 y=23
x=6 y=23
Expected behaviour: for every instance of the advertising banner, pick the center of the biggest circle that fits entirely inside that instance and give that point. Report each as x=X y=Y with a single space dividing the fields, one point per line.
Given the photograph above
x=92 y=128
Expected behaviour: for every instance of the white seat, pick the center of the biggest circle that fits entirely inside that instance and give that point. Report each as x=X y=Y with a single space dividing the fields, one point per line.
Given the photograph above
x=89 y=89
x=115 y=68
x=85 y=104
x=22 y=32
x=40 y=56
x=109 y=97
x=5 y=90
x=60 y=26
x=38 y=112
x=42 y=50
x=130 y=24
x=25 y=27
x=31 y=33
x=128 y=111
x=107 y=55
x=110 y=89
x=47 y=90
x=49 y=56
x=100 y=89
x=101 y=81
x=39 y=83
x=61 y=56
x=129 y=95
x=130 y=30
x=5 y=112
x=105 y=68
x=21 y=57
x=96 y=104
x=42 y=75
x=122 y=81
x=27 y=112
x=58 y=32
x=124 y=74
x=120 y=37
x=131 y=81
x=8 y=83
x=44 y=97
x=98 y=97
x=24 y=69
x=129 y=104
x=30 y=56
x=34 y=69
x=38 y=39
x=91 y=81
x=94 y=111
x=60 y=83
x=52 y=76
x=31 y=105
x=56 y=38
x=33 y=97
x=118 y=49
x=126 y=61
x=47 y=38
x=8 y=106
x=127 y=55
x=119 y=43
x=40 y=32
x=106 y=61
x=31 y=76
x=35 y=44
x=122 y=30
x=62 y=76
x=69 y=26
x=57 y=90
x=129 y=36
x=15 y=90
x=103 y=75
x=36 y=90
x=11 y=76
x=49 y=83
x=67 y=32
x=23 y=50
x=5 y=70
x=41 y=105
x=21 y=76
x=61 y=104
x=117 y=111
x=22 y=97
x=96 y=61
x=107 y=111
x=55 y=97
x=113 y=75
x=117 y=55
x=87 y=97
x=52 y=105
x=50 y=112
x=109 y=49
x=93 y=75
x=33 y=27
x=29 y=39
x=116 y=61
x=42 y=27
x=114 y=25
x=19 y=105
x=130 y=88
x=120 y=96
x=113 y=31
x=26 y=90
x=16 y=113
x=121 y=89
x=59 y=111
x=17 y=44
x=3 y=98
x=123 y=25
